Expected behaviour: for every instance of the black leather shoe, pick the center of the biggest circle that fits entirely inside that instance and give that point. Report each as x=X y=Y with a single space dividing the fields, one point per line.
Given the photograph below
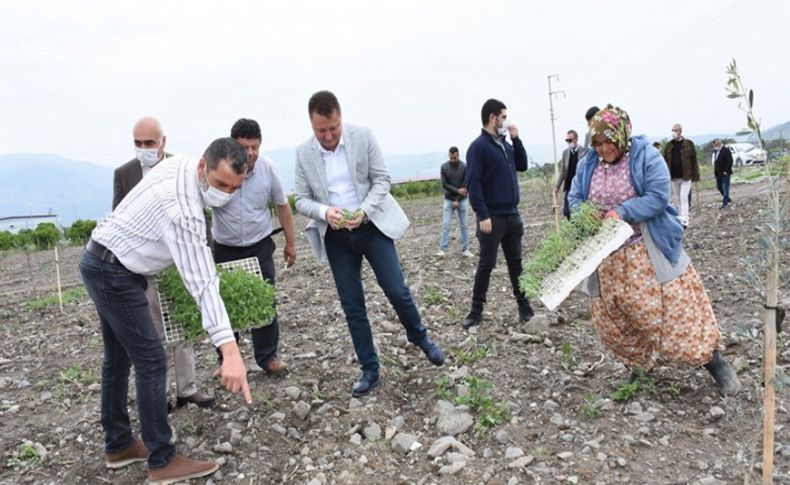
x=472 y=319
x=432 y=351
x=202 y=399
x=722 y=372
x=525 y=314
x=365 y=384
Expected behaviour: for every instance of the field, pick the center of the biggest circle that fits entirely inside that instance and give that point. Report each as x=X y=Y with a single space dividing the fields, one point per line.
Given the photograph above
x=539 y=402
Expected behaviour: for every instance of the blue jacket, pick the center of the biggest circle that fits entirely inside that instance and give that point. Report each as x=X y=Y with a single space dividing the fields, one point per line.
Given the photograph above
x=491 y=179
x=650 y=179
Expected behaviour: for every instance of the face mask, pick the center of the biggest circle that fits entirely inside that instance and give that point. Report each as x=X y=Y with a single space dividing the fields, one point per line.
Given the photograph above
x=148 y=156
x=572 y=145
x=503 y=131
x=675 y=135
x=212 y=196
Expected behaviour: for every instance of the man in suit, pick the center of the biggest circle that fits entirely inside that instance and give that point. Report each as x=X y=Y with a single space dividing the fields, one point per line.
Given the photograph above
x=570 y=158
x=340 y=171
x=722 y=168
x=149 y=144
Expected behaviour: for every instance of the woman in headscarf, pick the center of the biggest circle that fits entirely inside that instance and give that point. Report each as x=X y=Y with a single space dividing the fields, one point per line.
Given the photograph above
x=646 y=297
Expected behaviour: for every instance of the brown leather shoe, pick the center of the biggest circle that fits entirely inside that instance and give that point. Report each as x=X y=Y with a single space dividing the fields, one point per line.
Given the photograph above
x=202 y=399
x=180 y=469
x=133 y=453
x=275 y=366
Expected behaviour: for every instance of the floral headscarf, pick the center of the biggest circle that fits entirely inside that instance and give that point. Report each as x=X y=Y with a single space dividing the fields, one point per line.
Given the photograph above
x=614 y=124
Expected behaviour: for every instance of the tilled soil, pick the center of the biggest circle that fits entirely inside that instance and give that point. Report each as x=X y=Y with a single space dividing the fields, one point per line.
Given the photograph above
x=552 y=375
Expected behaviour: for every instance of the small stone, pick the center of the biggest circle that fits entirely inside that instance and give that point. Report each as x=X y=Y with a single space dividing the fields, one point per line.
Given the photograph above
x=301 y=409
x=452 y=468
x=373 y=432
x=277 y=428
x=356 y=439
x=293 y=392
x=454 y=422
x=574 y=479
x=235 y=437
x=354 y=403
x=664 y=441
x=45 y=395
x=521 y=462
x=223 y=447
x=513 y=452
x=621 y=462
x=716 y=412
x=565 y=455
x=549 y=404
x=454 y=457
x=278 y=416
x=402 y=442
x=502 y=437
x=556 y=419
x=644 y=417
x=440 y=446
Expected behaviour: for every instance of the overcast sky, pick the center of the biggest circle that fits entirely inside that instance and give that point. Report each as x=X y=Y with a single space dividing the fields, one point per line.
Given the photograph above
x=76 y=75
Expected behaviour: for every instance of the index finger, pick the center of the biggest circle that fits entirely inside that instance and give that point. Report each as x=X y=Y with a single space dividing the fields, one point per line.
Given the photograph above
x=245 y=389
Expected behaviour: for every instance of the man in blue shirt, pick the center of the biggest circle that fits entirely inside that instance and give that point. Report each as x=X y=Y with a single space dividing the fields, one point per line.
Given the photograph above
x=493 y=189
x=243 y=228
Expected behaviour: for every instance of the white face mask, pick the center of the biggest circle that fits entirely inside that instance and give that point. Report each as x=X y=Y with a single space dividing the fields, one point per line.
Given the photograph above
x=675 y=135
x=503 y=130
x=148 y=156
x=212 y=196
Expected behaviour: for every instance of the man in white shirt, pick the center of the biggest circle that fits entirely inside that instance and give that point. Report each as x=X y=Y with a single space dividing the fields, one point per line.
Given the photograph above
x=243 y=229
x=149 y=143
x=340 y=171
x=161 y=221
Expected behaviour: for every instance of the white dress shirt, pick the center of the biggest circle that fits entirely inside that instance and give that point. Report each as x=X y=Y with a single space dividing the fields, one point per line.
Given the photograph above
x=342 y=192
x=161 y=221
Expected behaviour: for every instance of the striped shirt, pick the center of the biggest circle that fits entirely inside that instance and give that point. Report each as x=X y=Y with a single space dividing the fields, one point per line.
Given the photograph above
x=161 y=222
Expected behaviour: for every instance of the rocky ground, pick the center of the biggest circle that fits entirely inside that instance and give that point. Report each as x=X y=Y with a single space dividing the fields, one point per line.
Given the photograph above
x=549 y=381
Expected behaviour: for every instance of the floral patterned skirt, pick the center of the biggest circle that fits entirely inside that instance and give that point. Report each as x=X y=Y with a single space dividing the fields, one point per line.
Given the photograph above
x=636 y=317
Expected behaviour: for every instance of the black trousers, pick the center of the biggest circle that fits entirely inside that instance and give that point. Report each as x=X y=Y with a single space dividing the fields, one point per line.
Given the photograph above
x=507 y=232
x=264 y=339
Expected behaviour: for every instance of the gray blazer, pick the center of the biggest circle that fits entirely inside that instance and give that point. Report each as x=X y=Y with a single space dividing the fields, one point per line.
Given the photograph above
x=566 y=155
x=370 y=178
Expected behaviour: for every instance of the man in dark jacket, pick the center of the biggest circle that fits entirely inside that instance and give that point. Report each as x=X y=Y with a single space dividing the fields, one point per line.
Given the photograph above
x=722 y=167
x=570 y=158
x=492 y=184
x=681 y=158
x=453 y=174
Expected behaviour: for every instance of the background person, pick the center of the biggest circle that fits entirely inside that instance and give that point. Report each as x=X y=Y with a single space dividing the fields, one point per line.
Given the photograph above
x=570 y=159
x=722 y=168
x=453 y=176
x=681 y=158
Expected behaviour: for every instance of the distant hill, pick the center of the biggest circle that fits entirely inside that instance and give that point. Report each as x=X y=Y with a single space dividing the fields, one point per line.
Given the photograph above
x=34 y=183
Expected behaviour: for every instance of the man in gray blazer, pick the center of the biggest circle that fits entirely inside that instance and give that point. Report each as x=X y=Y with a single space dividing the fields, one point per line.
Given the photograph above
x=343 y=186
x=149 y=144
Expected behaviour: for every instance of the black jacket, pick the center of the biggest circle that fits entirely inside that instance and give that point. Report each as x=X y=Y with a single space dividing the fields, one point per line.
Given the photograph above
x=723 y=164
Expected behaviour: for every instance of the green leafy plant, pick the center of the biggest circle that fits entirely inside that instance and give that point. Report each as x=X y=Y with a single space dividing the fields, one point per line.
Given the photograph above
x=416 y=189
x=432 y=295
x=80 y=231
x=626 y=391
x=348 y=216
x=6 y=240
x=584 y=223
x=444 y=387
x=481 y=400
x=567 y=354
x=248 y=300
x=45 y=235
x=69 y=296
x=590 y=408
x=470 y=351
x=26 y=455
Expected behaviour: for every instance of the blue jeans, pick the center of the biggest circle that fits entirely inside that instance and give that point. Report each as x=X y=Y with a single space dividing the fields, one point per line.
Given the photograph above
x=129 y=339
x=447 y=220
x=723 y=184
x=345 y=250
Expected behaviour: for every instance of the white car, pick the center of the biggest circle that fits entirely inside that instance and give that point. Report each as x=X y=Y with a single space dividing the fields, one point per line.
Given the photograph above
x=746 y=154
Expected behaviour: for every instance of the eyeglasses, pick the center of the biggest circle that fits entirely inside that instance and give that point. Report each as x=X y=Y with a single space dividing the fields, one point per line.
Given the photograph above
x=569 y=140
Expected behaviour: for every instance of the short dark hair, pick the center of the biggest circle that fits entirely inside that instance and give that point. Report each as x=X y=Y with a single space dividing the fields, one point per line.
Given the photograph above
x=491 y=107
x=575 y=135
x=453 y=149
x=226 y=149
x=246 y=128
x=657 y=144
x=591 y=112
x=324 y=103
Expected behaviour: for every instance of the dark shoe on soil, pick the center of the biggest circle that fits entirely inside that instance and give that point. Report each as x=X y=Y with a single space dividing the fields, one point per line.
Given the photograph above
x=525 y=314
x=722 y=372
x=133 y=453
x=274 y=366
x=474 y=318
x=180 y=469
x=202 y=399
x=432 y=351
x=365 y=384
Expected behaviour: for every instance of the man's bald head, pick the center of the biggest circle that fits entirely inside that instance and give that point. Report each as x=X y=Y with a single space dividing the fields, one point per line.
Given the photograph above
x=148 y=135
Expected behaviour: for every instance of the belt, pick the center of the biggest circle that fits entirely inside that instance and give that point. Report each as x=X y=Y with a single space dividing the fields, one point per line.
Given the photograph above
x=101 y=252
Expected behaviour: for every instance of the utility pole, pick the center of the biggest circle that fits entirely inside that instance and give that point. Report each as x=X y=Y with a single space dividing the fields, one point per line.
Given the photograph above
x=553 y=118
x=555 y=207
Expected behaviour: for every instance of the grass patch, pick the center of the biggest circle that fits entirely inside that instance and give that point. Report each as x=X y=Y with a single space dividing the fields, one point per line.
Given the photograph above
x=444 y=388
x=590 y=408
x=481 y=400
x=432 y=296
x=643 y=383
x=27 y=455
x=69 y=296
x=470 y=352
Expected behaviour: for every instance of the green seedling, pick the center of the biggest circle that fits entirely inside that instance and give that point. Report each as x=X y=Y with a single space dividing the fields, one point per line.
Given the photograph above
x=470 y=352
x=443 y=388
x=432 y=296
x=566 y=350
x=590 y=408
x=348 y=216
